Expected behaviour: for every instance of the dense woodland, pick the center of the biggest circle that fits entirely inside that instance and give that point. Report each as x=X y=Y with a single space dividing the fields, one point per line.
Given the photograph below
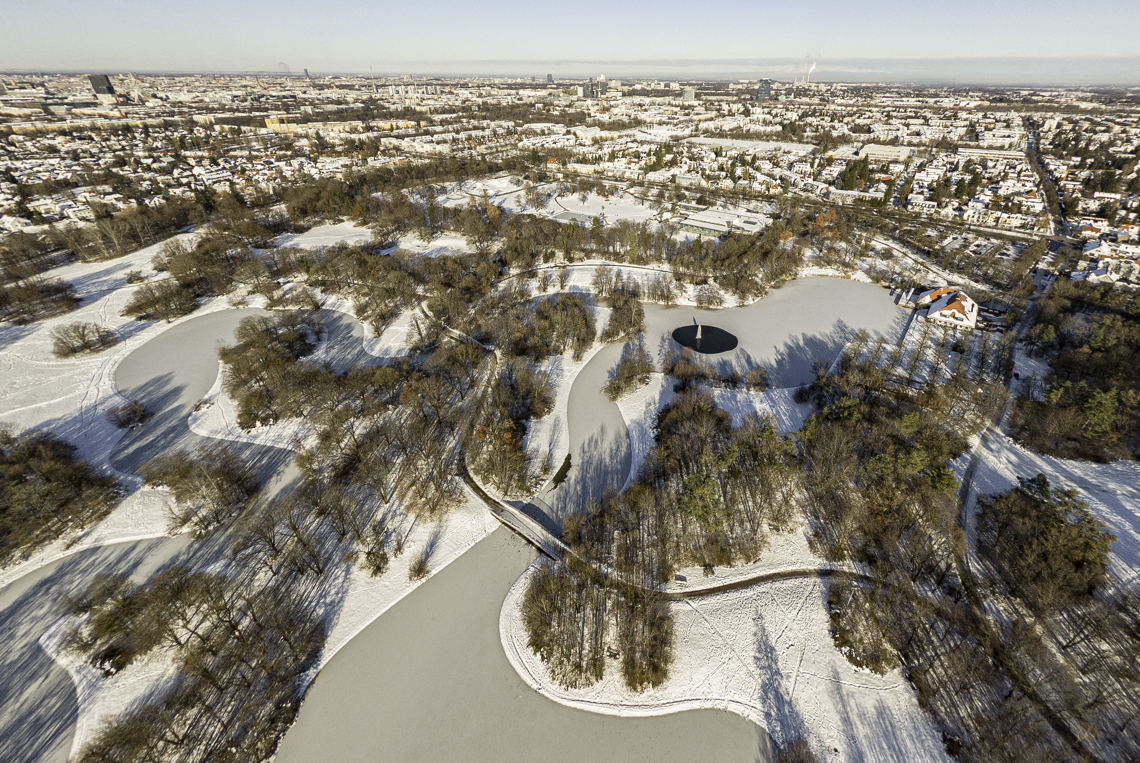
x=1088 y=406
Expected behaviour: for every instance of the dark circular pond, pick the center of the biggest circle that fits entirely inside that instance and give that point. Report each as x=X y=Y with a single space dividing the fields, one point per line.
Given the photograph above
x=712 y=339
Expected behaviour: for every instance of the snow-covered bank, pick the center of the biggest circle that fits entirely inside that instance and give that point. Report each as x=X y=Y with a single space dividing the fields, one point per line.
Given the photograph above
x=101 y=698
x=764 y=653
x=829 y=272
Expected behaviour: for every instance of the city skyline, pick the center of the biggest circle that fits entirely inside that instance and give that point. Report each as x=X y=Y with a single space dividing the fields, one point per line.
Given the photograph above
x=977 y=43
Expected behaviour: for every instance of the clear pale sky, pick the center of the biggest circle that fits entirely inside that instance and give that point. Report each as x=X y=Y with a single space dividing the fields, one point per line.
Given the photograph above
x=983 y=41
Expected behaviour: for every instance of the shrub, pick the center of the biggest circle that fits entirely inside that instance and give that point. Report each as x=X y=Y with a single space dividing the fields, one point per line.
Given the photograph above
x=687 y=368
x=627 y=319
x=757 y=378
x=78 y=337
x=210 y=486
x=631 y=373
x=796 y=751
x=419 y=568
x=564 y=613
x=1047 y=545
x=645 y=635
x=710 y=296
x=129 y=414
x=262 y=373
x=35 y=298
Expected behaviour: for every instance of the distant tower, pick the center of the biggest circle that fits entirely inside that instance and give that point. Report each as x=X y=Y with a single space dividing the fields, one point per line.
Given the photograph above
x=764 y=90
x=550 y=79
x=104 y=91
x=307 y=74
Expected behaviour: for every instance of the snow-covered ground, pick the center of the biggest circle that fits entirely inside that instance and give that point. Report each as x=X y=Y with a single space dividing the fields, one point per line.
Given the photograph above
x=624 y=206
x=443 y=245
x=1111 y=490
x=326 y=235
x=764 y=653
x=781 y=403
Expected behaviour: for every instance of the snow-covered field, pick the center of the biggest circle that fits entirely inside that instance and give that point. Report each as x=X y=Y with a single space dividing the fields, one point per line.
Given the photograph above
x=506 y=192
x=764 y=653
x=326 y=235
x=443 y=245
x=622 y=206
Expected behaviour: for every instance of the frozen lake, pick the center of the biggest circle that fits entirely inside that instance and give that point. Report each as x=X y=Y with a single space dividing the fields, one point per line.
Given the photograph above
x=429 y=681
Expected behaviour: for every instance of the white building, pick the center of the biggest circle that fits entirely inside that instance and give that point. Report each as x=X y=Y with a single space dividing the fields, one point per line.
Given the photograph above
x=949 y=306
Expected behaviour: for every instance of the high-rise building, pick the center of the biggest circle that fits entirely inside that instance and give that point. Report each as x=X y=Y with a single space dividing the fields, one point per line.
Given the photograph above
x=104 y=91
x=101 y=84
x=689 y=95
x=550 y=79
x=592 y=89
x=764 y=90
